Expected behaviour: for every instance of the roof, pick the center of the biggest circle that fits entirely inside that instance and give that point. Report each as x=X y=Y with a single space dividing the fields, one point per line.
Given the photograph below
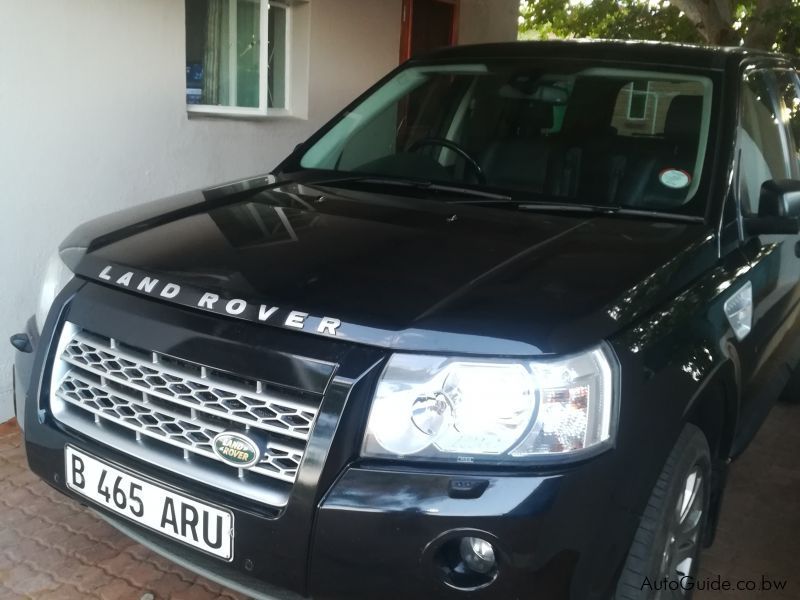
x=709 y=57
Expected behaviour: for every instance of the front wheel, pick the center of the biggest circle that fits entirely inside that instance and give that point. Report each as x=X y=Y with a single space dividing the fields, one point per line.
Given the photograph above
x=664 y=555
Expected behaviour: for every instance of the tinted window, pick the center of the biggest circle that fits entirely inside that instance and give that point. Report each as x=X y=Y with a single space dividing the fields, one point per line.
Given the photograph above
x=580 y=133
x=760 y=142
x=790 y=109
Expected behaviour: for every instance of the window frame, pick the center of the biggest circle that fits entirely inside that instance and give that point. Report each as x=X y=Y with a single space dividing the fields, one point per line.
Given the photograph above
x=262 y=110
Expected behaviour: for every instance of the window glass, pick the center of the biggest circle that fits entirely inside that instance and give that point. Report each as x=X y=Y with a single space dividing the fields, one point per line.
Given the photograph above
x=276 y=72
x=556 y=132
x=224 y=53
x=651 y=116
x=637 y=93
x=247 y=41
x=790 y=109
x=760 y=142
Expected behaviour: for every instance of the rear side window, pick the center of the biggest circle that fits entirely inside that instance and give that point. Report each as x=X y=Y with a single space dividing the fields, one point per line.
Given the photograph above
x=761 y=146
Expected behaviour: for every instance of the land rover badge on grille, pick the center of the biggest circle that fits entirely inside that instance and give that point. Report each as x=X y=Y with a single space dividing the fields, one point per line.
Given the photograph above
x=237 y=449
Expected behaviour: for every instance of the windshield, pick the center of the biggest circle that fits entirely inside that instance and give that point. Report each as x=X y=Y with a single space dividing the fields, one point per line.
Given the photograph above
x=582 y=134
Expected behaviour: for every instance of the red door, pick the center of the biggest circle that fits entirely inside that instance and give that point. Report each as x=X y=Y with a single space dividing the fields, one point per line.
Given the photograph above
x=428 y=25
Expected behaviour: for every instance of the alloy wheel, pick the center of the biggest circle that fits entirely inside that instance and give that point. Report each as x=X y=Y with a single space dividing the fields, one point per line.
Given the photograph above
x=683 y=536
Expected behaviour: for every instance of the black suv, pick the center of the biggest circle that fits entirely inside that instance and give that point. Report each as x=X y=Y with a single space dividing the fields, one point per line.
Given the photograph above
x=495 y=331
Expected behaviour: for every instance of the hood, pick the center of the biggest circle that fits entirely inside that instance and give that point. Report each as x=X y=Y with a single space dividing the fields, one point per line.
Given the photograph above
x=396 y=272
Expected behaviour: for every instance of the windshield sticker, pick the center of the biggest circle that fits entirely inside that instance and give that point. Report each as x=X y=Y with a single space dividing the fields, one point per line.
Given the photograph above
x=675 y=179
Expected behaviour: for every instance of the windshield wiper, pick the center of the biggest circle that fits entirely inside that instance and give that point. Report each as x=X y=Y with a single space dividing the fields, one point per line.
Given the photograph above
x=423 y=185
x=608 y=210
x=486 y=197
x=566 y=206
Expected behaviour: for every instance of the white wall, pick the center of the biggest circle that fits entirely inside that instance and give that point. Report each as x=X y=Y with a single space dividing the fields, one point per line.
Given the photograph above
x=92 y=119
x=92 y=116
x=488 y=21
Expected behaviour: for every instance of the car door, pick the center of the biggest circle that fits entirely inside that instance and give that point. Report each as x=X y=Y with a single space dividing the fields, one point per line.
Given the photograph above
x=767 y=150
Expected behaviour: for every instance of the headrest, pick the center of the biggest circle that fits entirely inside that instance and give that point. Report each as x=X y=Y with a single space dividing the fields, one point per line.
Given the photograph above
x=526 y=119
x=683 y=117
x=537 y=114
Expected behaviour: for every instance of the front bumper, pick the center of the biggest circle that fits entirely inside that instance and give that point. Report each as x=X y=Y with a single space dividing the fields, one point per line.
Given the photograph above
x=356 y=529
x=377 y=532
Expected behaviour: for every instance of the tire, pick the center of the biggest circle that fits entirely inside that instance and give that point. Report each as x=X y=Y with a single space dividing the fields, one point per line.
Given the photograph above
x=676 y=512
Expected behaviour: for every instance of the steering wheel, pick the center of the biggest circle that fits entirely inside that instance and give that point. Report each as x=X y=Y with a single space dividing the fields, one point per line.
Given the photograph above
x=473 y=164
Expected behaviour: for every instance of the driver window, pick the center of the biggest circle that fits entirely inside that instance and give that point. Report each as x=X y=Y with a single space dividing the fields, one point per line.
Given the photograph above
x=790 y=110
x=761 y=146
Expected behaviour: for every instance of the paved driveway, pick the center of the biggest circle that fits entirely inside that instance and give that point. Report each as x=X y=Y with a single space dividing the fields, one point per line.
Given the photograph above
x=52 y=548
x=759 y=533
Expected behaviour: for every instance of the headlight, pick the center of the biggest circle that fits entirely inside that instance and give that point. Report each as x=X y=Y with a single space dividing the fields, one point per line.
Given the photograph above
x=503 y=410
x=56 y=276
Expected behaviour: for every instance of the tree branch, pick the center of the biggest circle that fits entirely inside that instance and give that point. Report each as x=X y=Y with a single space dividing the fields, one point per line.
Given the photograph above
x=725 y=11
x=765 y=23
x=712 y=18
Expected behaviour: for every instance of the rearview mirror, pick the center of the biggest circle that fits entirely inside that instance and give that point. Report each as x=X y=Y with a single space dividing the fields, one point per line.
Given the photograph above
x=538 y=92
x=778 y=209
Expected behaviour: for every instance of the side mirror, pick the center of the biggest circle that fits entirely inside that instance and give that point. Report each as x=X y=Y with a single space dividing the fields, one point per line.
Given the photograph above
x=779 y=198
x=778 y=209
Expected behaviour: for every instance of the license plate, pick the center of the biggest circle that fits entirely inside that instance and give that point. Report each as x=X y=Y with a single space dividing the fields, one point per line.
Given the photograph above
x=197 y=524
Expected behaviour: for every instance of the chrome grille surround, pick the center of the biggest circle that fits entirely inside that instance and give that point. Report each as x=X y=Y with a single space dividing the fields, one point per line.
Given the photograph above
x=103 y=388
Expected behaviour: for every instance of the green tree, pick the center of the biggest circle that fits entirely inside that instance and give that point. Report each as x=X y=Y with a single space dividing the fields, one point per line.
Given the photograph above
x=766 y=24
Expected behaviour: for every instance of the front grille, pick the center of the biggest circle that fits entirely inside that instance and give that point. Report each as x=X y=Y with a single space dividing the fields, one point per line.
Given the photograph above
x=117 y=393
